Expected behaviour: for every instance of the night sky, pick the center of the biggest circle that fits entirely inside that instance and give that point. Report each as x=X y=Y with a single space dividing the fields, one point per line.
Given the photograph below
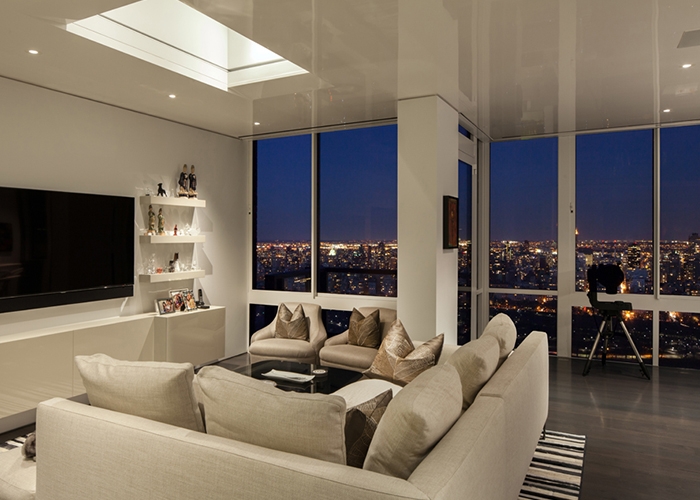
x=358 y=186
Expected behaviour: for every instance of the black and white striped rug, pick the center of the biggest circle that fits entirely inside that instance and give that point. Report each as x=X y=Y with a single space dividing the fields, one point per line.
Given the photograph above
x=12 y=444
x=556 y=469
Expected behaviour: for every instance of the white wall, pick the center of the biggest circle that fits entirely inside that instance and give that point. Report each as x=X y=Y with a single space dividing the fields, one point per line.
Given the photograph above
x=49 y=140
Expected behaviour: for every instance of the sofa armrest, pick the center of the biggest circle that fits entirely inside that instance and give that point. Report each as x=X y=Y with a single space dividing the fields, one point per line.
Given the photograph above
x=340 y=339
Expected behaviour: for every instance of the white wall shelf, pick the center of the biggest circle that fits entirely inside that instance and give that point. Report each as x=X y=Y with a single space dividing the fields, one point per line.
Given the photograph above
x=171 y=239
x=163 y=277
x=174 y=201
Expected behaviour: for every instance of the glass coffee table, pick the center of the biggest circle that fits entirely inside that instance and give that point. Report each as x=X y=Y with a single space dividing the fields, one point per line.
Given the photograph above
x=325 y=379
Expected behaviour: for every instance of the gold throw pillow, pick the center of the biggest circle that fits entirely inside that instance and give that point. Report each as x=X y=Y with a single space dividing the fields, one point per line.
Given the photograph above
x=364 y=330
x=291 y=326
x=398 y=361
x=360 y=423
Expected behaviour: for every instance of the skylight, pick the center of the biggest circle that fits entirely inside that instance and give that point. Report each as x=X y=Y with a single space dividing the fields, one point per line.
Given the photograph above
x=177 y=37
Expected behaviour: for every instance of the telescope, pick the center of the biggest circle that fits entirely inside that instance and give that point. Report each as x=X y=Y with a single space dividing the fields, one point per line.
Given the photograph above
x=611 y=277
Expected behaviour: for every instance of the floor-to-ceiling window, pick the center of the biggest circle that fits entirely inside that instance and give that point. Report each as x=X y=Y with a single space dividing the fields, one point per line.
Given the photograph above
x=679 y=246
x=614 y=224
x=464 y=268
x=523 y=234
x=357 y=211
x=282 y=214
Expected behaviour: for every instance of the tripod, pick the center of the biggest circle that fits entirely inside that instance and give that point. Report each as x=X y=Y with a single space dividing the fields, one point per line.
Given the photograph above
x=612 y=311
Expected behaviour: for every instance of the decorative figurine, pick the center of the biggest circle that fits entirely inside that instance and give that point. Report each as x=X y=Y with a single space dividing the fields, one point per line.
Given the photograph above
x=161 y=191
x=175 y=230
x=183 y=182
x=193 y=184
x=151 y=221
x=161 y=223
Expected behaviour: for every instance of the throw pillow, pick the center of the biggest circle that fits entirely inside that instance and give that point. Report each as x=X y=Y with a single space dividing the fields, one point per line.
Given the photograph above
x=364 y=330
x=398 y=361
x=502 y=328
x=291 y=326
x=150 y=389
x=476 y=362
x=249 y=410
x=415 y=420
x=360 y=424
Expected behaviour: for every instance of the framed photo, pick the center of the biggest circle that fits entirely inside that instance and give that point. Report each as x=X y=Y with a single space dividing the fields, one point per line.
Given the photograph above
x=190 y=302
x=165 y=306
x=450 y=222
x=178 y=298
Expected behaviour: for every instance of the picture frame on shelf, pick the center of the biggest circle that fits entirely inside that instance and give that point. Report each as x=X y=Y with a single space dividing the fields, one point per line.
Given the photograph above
x=178 y=299
x=190 y=302
x=165 y=306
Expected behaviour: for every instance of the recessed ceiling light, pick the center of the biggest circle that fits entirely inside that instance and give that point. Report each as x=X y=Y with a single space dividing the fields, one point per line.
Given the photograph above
x=256 y=123
x=33 y=52
x=667 y=110
x=172 y=96
x=686 y=66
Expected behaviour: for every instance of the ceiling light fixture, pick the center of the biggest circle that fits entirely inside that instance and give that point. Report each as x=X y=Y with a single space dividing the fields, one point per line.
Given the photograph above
x=256 y=123
x=667 y=110
x=33 y=52
x=172 y=96
x=686 y=66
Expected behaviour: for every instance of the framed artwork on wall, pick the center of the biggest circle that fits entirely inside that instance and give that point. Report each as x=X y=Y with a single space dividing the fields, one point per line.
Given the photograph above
x=450 y=222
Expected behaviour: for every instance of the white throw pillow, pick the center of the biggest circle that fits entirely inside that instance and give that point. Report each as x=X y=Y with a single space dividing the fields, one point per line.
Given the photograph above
x=249 y=410
x=476 y=362
x=415 y=420
x=155 y=390
x=502 y=328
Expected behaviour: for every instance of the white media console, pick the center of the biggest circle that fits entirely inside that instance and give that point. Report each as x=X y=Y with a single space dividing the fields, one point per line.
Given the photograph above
x=39 y=365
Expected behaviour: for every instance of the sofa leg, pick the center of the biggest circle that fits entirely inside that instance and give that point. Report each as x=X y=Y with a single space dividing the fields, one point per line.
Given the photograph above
x=543 y=436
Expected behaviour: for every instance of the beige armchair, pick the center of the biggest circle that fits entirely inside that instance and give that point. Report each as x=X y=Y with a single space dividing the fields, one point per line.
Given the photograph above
x=264 y=345
x=338 y=353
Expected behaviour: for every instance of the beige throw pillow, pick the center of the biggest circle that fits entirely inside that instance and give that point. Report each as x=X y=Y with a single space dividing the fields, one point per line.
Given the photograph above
x=476 y=362
x=415 y=420
x=398 y=361
x=248 y=410
x=364 y=330
x=291 y=326
x=360 y=424
x=154 y=390
x=502 y=328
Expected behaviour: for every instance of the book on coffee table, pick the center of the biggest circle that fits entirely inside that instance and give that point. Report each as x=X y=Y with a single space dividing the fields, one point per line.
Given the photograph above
x=288 y=376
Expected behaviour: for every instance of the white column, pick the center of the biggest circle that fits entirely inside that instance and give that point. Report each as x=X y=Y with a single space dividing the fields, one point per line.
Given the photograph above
x=427 y=170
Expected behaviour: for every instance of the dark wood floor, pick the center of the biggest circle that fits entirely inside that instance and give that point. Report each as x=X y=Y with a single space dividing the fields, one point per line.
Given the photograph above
x=643 y=437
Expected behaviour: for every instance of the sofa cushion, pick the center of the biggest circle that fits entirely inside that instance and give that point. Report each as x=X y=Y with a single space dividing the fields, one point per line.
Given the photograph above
x=248 y=410
x=355 y=356
x=502 y=328
x=398 y=361
x=415 y=420
x=364 y=330
x=291 y=326
x=360 y=424
x=282 y=348
x=17 y=476
x=476 y=362
x=150 y=389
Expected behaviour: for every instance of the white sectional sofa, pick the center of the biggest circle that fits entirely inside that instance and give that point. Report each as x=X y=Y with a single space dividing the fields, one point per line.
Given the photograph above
x=84 y=452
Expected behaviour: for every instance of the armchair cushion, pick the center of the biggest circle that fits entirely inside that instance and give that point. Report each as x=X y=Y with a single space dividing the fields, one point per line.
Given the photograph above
x=364 y=330
x=282 y=348
x=291 y=326
x=397 y=360
x=351 y=356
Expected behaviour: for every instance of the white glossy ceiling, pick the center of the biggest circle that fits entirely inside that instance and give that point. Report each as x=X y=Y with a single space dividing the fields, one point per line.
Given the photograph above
x=512 y=68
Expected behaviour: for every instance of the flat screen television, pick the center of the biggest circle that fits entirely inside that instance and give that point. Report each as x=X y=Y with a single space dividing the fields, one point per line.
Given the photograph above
x=60 y=248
